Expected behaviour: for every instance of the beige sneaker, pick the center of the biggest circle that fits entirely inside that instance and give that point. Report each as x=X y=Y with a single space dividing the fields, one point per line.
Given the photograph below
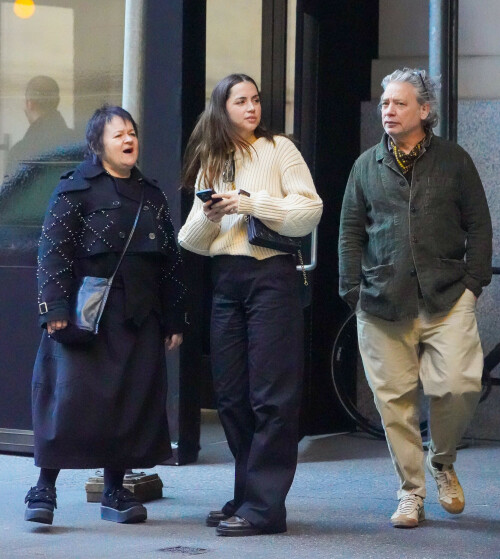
x=451 y=494
x=409 y=513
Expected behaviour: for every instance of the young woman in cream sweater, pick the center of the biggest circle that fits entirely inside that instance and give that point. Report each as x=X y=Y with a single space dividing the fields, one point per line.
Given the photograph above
x=257 y=322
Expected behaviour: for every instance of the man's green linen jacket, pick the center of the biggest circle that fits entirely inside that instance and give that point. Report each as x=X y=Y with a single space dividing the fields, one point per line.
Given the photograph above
x=394 y=236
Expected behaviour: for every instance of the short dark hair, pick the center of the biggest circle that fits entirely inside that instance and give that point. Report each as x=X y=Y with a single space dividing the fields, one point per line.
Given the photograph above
x=96 y=124
x=44 y=91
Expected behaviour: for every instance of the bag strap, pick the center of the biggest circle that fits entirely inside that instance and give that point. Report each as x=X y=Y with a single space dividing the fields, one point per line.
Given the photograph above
x=110 y=280
x=302 y=267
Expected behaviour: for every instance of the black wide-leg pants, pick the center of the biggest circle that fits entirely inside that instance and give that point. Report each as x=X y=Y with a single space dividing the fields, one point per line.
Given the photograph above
x=257 y=366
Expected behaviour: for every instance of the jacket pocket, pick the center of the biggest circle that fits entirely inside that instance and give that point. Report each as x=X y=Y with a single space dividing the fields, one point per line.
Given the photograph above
x=441 y=191
x=376 y=281
x=448 y=272
x=93 y=206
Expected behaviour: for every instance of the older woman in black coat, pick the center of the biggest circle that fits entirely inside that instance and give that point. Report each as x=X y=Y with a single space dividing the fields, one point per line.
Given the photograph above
x=102 y=404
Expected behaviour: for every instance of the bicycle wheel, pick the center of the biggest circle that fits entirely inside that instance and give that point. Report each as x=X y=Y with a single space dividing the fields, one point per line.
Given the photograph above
x=350 y=384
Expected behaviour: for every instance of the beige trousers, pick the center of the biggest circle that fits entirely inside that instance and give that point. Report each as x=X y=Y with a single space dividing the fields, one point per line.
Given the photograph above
x=444 y=351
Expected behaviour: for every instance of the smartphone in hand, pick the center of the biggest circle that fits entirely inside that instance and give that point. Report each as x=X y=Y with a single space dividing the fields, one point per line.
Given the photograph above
x=206 y=195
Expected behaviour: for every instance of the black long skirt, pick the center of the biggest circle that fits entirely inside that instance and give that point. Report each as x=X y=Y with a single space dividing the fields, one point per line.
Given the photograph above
x=102 y=404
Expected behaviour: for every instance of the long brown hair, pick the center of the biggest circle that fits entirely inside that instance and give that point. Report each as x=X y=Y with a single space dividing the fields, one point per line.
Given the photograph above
x=214 y=136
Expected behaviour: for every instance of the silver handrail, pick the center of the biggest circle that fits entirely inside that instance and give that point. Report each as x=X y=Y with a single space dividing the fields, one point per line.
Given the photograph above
x=314 y=253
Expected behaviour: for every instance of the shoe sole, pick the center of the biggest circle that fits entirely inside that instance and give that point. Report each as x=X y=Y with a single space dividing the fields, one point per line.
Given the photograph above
x=447 y=509
x=43 y=516
x=405 y=524
x=238 y=532
x=408 y=523
x=132 y=515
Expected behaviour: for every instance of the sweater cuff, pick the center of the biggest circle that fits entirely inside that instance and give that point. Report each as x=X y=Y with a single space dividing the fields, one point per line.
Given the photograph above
x=245 y=205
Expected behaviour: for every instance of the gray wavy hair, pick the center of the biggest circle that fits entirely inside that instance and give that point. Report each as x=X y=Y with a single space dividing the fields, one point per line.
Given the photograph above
x=425 y=87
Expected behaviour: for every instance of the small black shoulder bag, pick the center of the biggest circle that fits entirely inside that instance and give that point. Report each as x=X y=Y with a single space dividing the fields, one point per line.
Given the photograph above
x=87 y=303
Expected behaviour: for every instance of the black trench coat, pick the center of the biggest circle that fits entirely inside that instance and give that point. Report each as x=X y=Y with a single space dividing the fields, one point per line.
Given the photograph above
x=103 y=404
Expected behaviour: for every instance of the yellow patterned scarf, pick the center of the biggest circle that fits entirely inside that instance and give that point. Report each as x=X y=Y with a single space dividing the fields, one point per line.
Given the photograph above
x=406 y=160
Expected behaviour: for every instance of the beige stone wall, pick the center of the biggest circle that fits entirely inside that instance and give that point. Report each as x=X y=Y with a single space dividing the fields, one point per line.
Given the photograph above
x=404 y=41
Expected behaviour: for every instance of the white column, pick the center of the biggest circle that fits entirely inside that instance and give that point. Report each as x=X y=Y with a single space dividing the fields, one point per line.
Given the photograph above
x=133 y=61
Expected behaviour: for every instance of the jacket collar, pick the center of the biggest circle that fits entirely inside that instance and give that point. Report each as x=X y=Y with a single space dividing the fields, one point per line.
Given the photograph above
x=90 y=170
x=383 y=152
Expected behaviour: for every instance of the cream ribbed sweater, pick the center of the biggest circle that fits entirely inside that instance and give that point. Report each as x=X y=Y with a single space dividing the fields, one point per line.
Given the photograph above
x=282 y=195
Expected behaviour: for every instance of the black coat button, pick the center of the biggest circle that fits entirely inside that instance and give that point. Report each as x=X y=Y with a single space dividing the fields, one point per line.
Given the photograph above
x=414 y=239
x=413 y=273
x=121 y=234
x=145 y=208
x=413 y=209
x=116 y=203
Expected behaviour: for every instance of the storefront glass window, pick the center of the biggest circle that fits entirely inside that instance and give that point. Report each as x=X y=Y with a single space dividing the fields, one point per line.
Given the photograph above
x=59 y=60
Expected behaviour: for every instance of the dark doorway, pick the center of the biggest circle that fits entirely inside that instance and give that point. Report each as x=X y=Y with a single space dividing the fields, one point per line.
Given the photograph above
x=336 y=42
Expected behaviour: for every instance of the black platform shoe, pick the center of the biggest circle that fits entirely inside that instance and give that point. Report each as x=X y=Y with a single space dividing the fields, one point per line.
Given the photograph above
x=120 y=505
x=41 y=502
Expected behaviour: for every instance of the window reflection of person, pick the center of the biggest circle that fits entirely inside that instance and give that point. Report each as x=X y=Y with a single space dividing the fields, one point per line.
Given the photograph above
x=47 y=128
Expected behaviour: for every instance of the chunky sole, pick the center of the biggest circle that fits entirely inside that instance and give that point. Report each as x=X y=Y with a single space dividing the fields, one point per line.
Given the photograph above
x=43 y=516
x=132 y=515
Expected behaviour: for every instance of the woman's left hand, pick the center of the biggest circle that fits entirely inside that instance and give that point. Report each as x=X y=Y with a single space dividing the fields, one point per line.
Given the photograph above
x=227 y=205
x=173 y=341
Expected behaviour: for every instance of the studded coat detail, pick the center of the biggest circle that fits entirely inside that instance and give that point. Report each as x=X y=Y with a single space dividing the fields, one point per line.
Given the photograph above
x=86 y=225
x=103 y=404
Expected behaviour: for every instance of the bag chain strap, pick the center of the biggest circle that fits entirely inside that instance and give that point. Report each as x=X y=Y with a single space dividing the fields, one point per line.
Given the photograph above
x=301 y=260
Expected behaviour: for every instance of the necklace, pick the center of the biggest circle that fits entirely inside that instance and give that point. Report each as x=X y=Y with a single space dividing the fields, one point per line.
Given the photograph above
x=229 y=171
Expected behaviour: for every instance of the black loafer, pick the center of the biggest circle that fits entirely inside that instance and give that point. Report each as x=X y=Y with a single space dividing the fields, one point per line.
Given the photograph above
x=214 y=517
x=237 y=526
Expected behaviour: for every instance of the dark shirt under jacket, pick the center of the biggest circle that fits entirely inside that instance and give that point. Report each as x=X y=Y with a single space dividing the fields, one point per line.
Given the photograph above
x=42 y=136
x=86 y=226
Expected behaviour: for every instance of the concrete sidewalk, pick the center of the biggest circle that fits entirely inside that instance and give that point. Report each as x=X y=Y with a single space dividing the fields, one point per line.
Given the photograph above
x=339 y=507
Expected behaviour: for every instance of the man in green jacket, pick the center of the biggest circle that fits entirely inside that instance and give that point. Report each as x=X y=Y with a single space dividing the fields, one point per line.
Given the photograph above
x=415 y=253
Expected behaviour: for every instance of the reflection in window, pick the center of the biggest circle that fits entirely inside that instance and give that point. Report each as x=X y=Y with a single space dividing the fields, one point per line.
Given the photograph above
x=56 y=68
x=35 y=114
x=36 y=107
